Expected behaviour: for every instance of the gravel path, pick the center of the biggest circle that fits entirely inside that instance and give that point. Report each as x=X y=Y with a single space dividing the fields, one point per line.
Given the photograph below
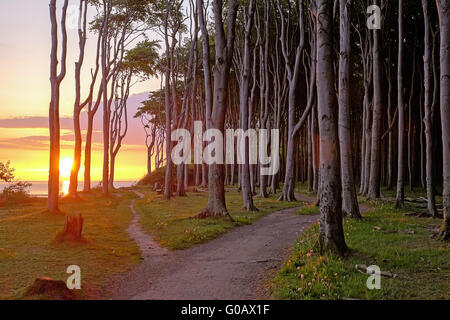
x=232 y=266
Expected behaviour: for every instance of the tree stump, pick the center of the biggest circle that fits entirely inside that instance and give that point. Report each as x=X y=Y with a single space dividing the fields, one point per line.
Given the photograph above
x=73 y=229
x=48 y=288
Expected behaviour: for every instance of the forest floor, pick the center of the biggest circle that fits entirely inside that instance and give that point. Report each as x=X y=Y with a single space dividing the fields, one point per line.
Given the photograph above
x=232 y=266
x=394 y=240
x=132 y=242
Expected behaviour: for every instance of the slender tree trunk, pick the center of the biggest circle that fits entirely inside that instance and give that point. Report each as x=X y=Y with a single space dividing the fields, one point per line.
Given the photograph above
x=350 y=204
x=375 y=159
x=73 y=185
x=54 y=126
x=293 y=73
x=410 y=127
x=331 y=234
x=401 y=112
x=247 y=195
x=427 y=107
x=168 y=111
x=444 y=18
x=106 y=112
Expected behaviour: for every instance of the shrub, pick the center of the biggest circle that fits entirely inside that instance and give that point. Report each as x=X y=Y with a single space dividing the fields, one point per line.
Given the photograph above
x=16 y=191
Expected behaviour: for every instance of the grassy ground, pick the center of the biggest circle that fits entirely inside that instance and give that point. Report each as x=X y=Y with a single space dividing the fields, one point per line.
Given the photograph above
x=170 y=223
x=385 y=237
x=28 y=249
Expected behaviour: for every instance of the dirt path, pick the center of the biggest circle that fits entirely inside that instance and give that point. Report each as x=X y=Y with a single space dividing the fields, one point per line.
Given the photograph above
x=233 y=266
x=229 y=267
x=146 y=244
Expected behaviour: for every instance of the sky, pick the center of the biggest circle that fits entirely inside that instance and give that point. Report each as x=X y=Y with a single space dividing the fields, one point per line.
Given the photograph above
x=25 y=95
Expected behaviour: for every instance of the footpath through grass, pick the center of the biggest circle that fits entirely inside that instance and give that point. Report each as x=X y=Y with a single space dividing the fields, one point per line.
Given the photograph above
x=28 y=250
x=171 y=224
x=385 y=237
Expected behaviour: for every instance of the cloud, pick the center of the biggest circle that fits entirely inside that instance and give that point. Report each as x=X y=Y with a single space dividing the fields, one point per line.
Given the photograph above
x=135 y=139
x=33 y=122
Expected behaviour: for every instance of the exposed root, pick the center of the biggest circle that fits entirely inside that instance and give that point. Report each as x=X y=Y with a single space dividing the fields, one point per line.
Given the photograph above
x=208 y=213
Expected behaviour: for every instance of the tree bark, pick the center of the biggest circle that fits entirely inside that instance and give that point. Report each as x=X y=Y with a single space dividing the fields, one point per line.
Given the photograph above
x=444 y=19
x=216 y=206
x=350 y=204
x=331 y=234
x=375 y=158
x=431 y=204
x=247 y=195
x=54 y=125
x=401 y=112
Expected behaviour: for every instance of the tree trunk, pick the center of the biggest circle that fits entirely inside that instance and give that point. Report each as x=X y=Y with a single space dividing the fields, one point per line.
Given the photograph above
x=247 y=195
x=374 y=180
x=401 y=112
x=331 y=234
x=444 y=18
x=73 y=185
x=54 y=126
x=224 y=42
x=350 y=204
x=427 y=107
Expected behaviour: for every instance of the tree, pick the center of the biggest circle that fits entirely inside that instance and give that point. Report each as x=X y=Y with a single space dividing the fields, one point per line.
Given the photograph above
x=427 y=108
x=331 y=233
x=401 y=112
x=444 y=23
x=55 y=83
x=350 y=205
x=79 y=105
x=374 y=180
x=293 y=78
x=224 y=43
x=247 y=194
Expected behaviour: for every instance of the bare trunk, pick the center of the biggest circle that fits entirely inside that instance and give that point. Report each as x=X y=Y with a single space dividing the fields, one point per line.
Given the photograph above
x=350 y=204
x=427 y=107
x=331 y=234
x=73 y=185
x=224 y=49
x=375 y=158
x=444 y=17
x=247 y=195
x=401 y=112
x=54 y=126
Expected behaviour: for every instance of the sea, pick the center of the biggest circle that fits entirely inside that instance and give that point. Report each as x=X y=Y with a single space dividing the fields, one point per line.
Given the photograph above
x=39 y=188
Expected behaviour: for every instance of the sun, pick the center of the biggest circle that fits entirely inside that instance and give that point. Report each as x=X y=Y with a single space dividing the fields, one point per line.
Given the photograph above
x=65 y=166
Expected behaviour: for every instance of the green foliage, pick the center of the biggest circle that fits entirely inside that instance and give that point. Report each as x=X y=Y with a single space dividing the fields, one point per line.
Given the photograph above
x=142 y=59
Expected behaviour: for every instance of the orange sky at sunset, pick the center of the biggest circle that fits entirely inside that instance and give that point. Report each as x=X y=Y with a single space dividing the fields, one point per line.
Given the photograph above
x=25 y=95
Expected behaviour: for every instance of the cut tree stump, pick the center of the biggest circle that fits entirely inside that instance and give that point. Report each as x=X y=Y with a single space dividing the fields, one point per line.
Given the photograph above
x=48 y=288
x=72 y=229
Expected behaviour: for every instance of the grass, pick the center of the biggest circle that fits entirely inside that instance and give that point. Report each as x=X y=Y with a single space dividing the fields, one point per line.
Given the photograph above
x=28 y=249
x=170 y=223
x=308 y=210
x=386 y=238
